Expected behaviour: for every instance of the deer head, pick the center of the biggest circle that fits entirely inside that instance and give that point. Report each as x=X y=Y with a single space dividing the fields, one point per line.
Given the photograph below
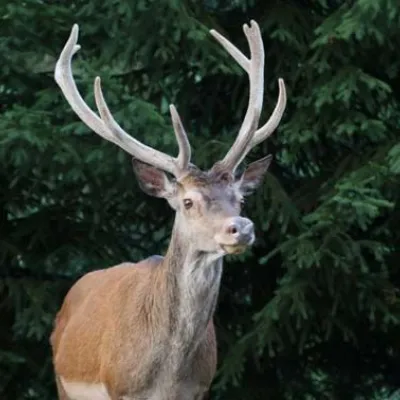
x=207 y=203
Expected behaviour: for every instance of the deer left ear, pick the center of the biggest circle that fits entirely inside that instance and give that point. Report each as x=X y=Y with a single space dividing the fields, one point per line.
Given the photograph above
x=153 y=181
x=253 y=175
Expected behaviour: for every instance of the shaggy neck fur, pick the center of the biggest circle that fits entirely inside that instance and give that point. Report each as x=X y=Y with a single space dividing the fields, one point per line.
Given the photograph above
x=193 y=280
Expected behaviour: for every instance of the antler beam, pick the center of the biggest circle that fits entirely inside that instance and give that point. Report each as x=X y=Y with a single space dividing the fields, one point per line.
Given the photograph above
x=107 y=127
x=249 y=136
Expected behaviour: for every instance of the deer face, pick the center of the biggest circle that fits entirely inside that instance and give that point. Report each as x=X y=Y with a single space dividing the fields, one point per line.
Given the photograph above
x=207 y=204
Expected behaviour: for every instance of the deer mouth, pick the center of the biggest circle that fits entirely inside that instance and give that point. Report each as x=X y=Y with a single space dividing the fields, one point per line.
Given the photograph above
x=239 y=246
x=234 y=248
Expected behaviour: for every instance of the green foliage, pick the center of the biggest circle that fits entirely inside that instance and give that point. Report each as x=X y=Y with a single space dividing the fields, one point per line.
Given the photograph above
x=312 y=312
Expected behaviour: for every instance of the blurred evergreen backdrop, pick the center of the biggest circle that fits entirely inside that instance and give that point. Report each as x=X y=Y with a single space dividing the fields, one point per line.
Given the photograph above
x=313 y=310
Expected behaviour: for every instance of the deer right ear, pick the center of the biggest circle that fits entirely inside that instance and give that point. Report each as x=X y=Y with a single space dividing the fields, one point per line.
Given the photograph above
x=153 y=181
x=253 y=175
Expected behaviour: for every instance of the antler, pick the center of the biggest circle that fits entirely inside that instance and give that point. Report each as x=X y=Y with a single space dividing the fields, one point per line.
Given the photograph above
x=249 y=136
x=107 y=127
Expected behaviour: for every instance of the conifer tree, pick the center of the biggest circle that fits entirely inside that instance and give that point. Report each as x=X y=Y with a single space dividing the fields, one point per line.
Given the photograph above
x=312 y=311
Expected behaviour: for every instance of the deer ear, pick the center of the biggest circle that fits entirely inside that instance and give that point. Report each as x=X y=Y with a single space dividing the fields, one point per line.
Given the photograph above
x=153 y=181
x=253 y=175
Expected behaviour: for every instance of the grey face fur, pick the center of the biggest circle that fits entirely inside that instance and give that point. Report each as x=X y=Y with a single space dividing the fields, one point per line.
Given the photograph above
x=207 y=204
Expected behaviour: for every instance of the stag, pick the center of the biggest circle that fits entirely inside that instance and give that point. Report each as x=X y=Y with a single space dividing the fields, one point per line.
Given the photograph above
x=145 y=330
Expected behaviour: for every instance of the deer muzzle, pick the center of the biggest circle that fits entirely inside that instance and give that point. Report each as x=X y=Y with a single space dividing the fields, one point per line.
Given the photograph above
x=236 y=235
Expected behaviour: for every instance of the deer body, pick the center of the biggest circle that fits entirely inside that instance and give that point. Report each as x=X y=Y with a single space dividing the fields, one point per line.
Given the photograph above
x=154 y=363
x=145 y=331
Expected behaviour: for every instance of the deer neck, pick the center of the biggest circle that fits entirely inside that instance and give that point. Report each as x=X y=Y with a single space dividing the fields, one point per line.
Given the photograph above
x=192 y=282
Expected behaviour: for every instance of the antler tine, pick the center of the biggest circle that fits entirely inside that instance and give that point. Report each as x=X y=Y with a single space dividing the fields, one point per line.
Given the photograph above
x=239 y=57
x=255 y=69
x=183 y=158
x=131 y=145
x=64 y=79
x=269 y=127
x=106 y=126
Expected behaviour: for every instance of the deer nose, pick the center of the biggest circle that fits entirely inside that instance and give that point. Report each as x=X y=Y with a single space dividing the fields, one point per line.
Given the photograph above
x=240 y=229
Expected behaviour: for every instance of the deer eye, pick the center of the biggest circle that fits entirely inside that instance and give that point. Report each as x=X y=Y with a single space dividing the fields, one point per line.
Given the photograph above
x=188 y=203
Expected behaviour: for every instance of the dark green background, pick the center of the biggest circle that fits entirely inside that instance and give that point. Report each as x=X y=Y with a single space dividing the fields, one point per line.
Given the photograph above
x=312 y=312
